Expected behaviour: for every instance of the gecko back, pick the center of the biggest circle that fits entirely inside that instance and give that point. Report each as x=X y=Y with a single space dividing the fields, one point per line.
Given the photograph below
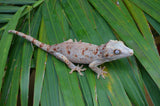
x=77 y=52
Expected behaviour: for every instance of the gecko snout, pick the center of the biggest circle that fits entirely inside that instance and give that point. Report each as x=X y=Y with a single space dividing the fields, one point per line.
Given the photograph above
x=131 y=52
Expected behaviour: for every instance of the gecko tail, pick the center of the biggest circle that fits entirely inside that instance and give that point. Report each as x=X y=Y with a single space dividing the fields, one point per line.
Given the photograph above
x=31 y=39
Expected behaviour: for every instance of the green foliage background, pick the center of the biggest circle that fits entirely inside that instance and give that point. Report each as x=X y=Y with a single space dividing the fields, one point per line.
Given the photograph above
x=93 y=21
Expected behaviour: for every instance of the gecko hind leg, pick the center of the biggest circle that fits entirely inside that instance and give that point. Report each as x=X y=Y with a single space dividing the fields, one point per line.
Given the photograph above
x=69 y=63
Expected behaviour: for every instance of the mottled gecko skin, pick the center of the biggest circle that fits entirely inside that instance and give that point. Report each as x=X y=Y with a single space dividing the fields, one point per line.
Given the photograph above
x=83 y=53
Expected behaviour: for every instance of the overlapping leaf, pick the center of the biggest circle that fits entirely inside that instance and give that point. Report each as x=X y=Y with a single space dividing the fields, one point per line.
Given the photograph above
x=95 y=22
x=6 y=42
x=132 y=37
x=26 y=59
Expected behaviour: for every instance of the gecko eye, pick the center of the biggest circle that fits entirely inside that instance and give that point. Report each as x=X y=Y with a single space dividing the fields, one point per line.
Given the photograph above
x=116 y=51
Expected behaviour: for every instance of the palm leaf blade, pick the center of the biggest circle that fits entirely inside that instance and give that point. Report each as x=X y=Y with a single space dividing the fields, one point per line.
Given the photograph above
x=50 y=85
x=26 y=59
x=150 y=7
x=69 y=92
x=91 y=21
x=8 y=9
x=140 y=46
x=6 y=41
x=40 y=68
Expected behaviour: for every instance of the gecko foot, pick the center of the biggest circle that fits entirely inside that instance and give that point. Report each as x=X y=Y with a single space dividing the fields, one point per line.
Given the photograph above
x=78 y=69
x=101 y=72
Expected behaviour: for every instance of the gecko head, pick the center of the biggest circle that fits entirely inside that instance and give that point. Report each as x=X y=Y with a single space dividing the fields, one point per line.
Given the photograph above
x=116 y=49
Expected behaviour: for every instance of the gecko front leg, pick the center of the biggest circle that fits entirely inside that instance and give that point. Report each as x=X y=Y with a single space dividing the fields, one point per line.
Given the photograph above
x=99 y=71
x=69 y=63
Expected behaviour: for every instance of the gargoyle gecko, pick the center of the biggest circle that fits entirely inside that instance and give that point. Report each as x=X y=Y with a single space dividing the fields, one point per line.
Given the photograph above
x=84 y=53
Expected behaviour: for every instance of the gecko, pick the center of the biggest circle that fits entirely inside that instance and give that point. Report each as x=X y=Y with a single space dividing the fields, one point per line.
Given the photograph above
x=83 y=53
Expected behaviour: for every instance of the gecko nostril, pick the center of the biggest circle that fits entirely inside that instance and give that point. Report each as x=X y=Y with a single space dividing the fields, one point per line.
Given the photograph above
x=131 y=53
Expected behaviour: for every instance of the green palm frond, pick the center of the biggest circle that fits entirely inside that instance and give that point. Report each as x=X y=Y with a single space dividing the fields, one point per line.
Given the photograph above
x=94 y=21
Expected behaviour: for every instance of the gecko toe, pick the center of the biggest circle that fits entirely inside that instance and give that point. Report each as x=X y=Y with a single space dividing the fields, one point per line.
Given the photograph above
x=80 y=73
x=83 y=69
x=105 y=72
x=72 y=71
x=98 y=76
x=80 y=66
x=103 y=76
x=102 y=68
